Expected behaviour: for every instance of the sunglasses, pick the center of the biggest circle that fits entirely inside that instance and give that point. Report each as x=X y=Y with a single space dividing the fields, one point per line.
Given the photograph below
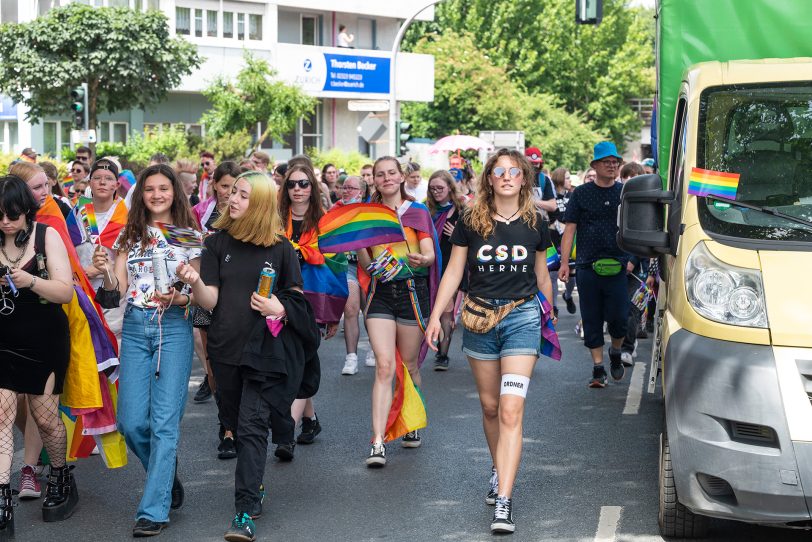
x=11 y=216
x=204 y=164
x=77 y=170
x=499 y=171
x=303 y=183
x=437 y=188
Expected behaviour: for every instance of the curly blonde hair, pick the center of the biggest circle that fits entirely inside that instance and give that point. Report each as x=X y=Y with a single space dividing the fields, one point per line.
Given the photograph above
x=480 y=217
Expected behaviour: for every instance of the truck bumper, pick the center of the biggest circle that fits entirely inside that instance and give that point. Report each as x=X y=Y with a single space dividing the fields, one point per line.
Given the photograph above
x=730 y=446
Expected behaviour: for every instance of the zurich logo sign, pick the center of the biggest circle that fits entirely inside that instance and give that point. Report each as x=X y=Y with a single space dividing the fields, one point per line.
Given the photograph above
x=308 y=65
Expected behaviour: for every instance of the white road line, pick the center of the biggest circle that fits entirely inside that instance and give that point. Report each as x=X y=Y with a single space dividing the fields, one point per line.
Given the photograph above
x=635 y=389
x=607 y=523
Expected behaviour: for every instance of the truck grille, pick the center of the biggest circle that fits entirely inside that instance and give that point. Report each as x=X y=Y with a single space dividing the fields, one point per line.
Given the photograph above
x=805 y=368
x=752 y=432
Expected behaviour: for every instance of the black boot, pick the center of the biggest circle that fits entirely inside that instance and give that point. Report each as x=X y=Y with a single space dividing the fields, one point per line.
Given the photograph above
x=6 y=513
x=61 y=495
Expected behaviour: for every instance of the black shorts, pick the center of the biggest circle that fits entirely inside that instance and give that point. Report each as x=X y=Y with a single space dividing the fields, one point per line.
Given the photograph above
x=393 y=301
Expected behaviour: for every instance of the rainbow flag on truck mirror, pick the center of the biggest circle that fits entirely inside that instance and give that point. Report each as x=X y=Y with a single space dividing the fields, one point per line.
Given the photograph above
x=706 y=182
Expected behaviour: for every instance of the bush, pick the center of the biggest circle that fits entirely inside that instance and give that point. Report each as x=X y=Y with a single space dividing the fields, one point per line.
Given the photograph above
x=351 y=161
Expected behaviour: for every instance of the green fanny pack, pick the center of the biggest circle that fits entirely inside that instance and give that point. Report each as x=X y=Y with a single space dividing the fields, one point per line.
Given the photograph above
x=607 y=267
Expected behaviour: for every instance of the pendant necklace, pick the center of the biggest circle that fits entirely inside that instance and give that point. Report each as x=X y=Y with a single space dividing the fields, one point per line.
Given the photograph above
x=507 y=219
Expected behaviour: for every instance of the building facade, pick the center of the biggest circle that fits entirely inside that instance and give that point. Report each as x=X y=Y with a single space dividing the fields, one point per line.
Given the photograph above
x=299 y=38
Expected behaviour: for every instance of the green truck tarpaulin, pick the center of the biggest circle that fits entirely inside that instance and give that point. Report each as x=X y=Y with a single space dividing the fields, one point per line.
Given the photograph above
x=693 y=31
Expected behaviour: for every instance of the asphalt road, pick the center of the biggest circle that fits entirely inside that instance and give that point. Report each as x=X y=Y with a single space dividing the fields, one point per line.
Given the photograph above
x=589 y=471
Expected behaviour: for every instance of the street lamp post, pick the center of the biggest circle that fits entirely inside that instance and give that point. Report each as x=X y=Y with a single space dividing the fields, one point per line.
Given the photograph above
x=393 y=101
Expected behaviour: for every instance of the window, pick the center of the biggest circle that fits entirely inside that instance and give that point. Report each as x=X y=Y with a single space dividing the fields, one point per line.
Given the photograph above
x=153 y=4
x=118 y=132
x=199 y=23
x=241 y=26
x=182 y=21
x=308 y=30
x=228 y=24
x=255 y=27
x=365 y=37
x=8 y=11
x=49 y=138
x=119 y=3
x=195 y=129
x=44 y=6
x=64 y=135
x=211 y=23
x=311 y=131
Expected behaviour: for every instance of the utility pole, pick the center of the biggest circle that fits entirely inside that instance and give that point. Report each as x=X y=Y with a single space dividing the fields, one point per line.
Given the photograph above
x=393 y=101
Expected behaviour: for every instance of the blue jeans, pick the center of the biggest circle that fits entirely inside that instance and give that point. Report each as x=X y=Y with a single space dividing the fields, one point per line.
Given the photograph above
x=150 y=409
x=518 y=334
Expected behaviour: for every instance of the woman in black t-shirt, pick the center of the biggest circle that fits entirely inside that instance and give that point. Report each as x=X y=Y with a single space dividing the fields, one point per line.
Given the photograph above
x=446 y=206
x=501 y=242
x=249 y=240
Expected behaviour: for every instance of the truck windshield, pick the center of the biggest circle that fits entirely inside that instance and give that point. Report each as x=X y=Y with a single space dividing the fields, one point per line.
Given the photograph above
x=763 y=133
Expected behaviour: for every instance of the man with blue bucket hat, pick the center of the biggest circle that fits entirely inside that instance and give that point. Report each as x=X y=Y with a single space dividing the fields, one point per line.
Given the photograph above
x=601 y=278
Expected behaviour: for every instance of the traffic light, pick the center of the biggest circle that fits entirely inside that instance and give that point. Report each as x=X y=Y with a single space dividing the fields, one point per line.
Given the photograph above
x=78 y=95
x=404 y=136
x=588 y=11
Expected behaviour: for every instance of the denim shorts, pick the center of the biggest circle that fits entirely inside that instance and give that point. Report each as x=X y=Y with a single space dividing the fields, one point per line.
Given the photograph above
x=518 y=334
x=391 y=301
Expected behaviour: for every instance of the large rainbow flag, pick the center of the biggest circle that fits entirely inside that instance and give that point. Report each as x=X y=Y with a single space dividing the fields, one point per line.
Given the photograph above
x=706 y=182
x=358 y=225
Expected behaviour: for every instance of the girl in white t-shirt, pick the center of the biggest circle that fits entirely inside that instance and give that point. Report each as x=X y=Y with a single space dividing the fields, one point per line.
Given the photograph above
x=156 y=343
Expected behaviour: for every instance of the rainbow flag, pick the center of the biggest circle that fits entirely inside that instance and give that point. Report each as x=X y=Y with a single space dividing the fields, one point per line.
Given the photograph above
x=180 y=237
x=550 y=346
x=126 y=180
x=706 y=182
x=109 y=235
x=553 y=257
x=357 y=226
x=89 y=216
x=408 y=412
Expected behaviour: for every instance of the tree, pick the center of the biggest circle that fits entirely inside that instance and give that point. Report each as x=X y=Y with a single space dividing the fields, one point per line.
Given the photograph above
x=127 y=58
x=472 y=94
x=593 y=70
x=256 y=97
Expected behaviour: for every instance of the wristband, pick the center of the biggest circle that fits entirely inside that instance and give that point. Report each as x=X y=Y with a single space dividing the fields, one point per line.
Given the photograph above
x=33 y=281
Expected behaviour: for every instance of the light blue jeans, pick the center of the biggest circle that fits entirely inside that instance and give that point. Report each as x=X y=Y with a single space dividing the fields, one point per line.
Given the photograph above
x=150 y=408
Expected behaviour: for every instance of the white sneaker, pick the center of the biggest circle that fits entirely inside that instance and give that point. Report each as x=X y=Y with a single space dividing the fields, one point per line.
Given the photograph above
x=350 y=365
x=626 y=359
x=370 y=361
x=634 y=354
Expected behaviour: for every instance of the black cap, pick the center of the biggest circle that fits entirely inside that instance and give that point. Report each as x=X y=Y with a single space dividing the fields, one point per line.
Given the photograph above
x=104 y=163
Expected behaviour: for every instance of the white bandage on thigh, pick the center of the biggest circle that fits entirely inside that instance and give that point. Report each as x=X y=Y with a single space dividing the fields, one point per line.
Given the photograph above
x=514 y=385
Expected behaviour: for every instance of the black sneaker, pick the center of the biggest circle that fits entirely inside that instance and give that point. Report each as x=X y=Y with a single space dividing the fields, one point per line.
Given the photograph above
x=411 y=440
x=441 y=363
x=227 y=449
x=503 y=516
x=256 y=510
x=285 y=452
x=616 y=367
x=242 y=529
x=203 y=392
x=570 y=304
x=310 y=428
x=145 y=527
x=493 y=488
x=598 y=377
x=377 y=455
x=177 y=490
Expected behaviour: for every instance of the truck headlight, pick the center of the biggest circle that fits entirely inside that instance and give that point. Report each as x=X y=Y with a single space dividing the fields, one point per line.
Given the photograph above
x=724 y=293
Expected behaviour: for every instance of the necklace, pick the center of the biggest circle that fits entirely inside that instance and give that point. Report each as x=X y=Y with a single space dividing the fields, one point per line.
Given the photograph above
x=14 y=261
x=507 y=219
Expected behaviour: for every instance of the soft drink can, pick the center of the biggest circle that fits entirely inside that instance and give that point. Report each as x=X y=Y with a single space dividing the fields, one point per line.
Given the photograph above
x=160 y=271
x=267 y=278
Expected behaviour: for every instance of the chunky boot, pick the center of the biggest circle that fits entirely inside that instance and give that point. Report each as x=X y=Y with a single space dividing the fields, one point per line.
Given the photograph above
x=6 y=513
x=61 y=495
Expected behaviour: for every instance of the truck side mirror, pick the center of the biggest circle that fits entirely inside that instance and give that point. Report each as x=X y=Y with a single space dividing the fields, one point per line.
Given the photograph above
x=641 y=220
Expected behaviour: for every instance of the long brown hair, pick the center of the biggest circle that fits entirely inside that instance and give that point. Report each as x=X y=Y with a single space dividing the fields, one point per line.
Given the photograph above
x=453 y=192
x=136 y=230
x=480 y=218
x=376 y=197
x=314 y=209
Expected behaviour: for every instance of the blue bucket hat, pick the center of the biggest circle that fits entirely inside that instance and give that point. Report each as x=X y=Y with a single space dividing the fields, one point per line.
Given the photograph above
x=605 y=149
x=648 y=162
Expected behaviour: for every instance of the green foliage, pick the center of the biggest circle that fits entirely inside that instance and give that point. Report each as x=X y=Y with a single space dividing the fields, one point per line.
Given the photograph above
x=127 y=57
x=256 y=96
x=593 y=70
x=173 y=143
x=351 y=162
x=471 y=94
x=228 y=146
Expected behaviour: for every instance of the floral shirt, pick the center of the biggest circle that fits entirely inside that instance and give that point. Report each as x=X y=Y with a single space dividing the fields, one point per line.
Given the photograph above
x=140 y=281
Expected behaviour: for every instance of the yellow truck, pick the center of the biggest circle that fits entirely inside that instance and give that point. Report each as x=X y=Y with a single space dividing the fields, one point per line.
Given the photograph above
x=729 y=218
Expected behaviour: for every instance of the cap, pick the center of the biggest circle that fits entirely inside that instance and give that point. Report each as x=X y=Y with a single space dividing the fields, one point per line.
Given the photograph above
x=605 y=149
x=534 y=155
x=28 y=151
x=648 y=162
x=104 y=163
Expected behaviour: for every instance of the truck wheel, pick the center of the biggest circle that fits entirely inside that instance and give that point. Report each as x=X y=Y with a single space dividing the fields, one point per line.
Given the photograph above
x=674 y=519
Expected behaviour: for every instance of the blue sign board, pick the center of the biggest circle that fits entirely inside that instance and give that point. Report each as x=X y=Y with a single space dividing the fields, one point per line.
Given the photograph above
x=351 y=73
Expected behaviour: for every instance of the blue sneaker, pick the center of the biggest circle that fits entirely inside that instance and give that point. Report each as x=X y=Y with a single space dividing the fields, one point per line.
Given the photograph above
x=242 y=529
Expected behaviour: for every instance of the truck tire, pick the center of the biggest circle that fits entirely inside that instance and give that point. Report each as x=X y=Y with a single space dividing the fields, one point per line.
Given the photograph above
x=674 y=519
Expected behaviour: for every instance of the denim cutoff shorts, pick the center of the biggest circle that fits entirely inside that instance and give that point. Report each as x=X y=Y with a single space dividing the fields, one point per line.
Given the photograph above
x=518 y=334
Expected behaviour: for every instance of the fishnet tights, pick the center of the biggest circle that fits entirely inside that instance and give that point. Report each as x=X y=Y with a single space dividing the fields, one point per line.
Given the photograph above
x=45 y=411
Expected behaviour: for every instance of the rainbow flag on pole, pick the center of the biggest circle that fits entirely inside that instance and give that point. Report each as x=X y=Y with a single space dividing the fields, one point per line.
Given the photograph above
x=706 y=182
x=357 y=226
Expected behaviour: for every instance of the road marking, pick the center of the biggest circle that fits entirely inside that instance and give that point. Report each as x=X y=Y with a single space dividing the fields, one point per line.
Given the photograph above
x=635 y=389
x=607 y=523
